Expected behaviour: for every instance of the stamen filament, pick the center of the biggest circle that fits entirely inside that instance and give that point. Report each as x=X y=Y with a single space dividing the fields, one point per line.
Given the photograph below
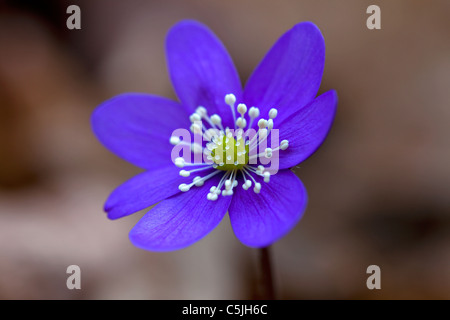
x=187 y=173
x=230 y=100
x=185 y=187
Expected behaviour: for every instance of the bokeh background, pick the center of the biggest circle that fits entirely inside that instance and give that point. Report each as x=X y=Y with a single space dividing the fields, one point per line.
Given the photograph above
x=378 y=188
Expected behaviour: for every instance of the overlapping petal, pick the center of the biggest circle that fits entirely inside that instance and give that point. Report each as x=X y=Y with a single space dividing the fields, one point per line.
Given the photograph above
x=144 y=190
x=307 y=129
x=201 y=69
x=258 y=220
x=137 y=127
x=289 y=76
x=180 y=220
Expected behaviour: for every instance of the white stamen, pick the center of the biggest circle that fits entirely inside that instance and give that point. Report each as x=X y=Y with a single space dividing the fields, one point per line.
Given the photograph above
x=227 y=192
x=230 y=100
x=184 y=187
x=247 y=184
x=195 y=117
x=248 y=173
x=174 y=140
x=257 y=187
x=221 y=182
x=273 y=113
x=212 y=196
x=196 y=128
x=185 y=173
x=253 y=112
x=259 y=171
x=216 y=119
x=284 y=144
x=179 y=162
x=198 y=181
x=262 y=123
x=201 y=111
x=262 y=134
x=268 y=153
x=241 y=122
x=242 y=109
x=267 y=176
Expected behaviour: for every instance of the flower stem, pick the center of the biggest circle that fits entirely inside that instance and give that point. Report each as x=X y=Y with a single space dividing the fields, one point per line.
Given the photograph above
x=265 y=280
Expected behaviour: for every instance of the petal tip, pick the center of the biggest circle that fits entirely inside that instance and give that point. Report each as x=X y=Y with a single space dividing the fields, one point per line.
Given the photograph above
x=310 y=27
x=185 y=24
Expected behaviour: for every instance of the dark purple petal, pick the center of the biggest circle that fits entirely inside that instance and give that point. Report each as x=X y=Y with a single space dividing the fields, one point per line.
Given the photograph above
x=289 y=76
x=144 y=190
x=307 y=129
x=201 y=69
x=137 y=127
x=181 y=220
x=258 y=220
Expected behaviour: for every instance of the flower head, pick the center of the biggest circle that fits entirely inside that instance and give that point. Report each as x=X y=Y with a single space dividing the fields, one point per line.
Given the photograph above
x=221 y=148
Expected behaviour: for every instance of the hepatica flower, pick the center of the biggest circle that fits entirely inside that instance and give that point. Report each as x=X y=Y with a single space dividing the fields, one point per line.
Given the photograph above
x=221 y=148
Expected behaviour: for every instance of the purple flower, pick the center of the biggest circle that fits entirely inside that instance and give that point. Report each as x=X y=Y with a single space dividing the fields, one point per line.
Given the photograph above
x=263 y=203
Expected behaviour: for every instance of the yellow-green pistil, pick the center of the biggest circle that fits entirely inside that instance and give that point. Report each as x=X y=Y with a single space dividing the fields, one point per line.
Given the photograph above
x=230 y=153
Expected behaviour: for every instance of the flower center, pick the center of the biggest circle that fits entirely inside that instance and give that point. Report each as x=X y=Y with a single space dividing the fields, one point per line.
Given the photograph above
x=230 y=153
x=238 y=153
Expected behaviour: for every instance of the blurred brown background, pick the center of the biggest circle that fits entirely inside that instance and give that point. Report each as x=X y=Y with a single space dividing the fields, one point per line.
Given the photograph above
x=378 y=187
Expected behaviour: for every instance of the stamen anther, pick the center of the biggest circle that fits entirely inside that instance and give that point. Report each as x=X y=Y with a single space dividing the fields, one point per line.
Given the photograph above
x=284 y=144
x=179 y=162
x=185 y=173
x=273 y=113
x=253 y=112
x=262 y=123
x=174 y=140
x=230 y=99
x=216 y=119
x=195 y=117
x=196 y=128
x=201 y=111
x=184 y=187
x=242 y=108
